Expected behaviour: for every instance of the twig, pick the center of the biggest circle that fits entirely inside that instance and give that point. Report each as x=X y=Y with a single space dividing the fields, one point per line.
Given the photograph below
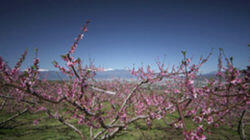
x=3 y=104
x=12 y=98
x=122 y=126
x=14 y=116
x=60 y=119
x=241 y=130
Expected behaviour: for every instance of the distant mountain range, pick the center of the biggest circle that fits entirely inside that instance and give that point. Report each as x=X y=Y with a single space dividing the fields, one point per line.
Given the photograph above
x=104 y=75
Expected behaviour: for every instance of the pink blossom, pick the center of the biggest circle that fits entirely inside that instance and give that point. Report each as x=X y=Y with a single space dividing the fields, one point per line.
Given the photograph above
x=178 y=125
x=203 y=137
x=188 y=60
x=191 y=112
x=41 y=109
x=197 y=119
x=236 y=81
x=80 y=120
x=216 y=125
x=56 y=116
x=69 y=64
x=219 y=74
x=35 y=122
x=124 y=117
x=248 y=102
x=210 y=120
x=176 y=91
x=85 y=29
x=190 y=82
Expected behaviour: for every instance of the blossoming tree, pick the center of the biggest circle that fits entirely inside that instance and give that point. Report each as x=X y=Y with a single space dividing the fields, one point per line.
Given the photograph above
x=107 y=108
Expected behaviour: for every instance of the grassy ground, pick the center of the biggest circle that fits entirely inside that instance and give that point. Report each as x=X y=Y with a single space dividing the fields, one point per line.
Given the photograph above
x=49 y=129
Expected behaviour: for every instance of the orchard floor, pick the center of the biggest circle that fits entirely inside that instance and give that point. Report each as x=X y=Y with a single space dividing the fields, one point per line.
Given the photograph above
x=22 y=128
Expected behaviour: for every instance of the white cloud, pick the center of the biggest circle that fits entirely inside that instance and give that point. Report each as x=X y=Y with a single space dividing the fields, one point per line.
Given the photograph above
x=43 y=70
x=108 y=69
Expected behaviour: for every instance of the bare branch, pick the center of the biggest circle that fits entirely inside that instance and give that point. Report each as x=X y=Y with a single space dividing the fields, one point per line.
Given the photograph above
x=104 y=91
x=35 y=93
x=3 y=104
x=12 y=98
x=60 y=119
x=119 y=127
x=14 y=116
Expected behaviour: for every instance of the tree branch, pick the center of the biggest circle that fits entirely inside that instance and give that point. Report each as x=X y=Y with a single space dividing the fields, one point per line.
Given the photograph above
x=13 y=117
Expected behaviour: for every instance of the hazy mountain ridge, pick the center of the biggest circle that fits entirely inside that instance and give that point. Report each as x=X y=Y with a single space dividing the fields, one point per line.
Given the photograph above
x=104 y=75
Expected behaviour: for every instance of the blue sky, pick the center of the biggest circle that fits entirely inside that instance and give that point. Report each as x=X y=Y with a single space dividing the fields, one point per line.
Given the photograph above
x=123 y=33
